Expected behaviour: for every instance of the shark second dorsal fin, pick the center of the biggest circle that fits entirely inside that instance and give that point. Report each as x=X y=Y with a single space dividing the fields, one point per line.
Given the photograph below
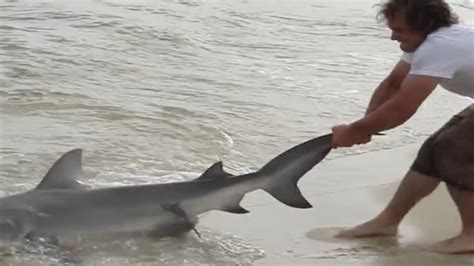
x=64 y=173
x=216 y=171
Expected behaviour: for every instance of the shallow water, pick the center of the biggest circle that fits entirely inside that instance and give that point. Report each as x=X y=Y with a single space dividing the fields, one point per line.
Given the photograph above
x=156 y=91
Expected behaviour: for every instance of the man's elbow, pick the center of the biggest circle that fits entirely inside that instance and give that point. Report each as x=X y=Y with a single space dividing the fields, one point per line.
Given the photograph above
x=405 y=110
x=393 y=83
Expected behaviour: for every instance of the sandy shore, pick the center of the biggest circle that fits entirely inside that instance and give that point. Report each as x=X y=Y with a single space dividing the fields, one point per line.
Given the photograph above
x=345 y=192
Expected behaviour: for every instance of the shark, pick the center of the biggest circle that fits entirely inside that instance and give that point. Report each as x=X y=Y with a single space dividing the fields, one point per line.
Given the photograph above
x=61 y=205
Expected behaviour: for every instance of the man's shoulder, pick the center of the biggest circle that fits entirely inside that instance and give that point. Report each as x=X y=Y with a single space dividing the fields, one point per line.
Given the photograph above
x=454 y=39
x=453 y=32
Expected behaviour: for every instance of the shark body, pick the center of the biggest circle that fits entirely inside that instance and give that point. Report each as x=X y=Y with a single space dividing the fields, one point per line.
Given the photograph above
x=60 y=205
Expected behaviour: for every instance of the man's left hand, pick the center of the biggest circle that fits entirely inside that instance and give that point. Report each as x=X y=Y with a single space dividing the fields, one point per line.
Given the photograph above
x=346 y=136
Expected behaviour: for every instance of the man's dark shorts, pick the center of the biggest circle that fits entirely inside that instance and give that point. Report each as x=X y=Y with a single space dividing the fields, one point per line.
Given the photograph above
x=448 y=154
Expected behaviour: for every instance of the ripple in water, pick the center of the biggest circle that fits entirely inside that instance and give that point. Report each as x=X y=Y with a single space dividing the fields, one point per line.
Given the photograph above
x=212 y=249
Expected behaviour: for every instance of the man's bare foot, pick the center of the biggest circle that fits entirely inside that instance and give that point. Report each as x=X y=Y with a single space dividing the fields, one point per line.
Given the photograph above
x=463 y=243
x=371 y=228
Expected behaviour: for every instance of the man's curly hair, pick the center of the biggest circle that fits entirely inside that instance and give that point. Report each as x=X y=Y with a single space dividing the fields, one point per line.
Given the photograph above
x=424 y=16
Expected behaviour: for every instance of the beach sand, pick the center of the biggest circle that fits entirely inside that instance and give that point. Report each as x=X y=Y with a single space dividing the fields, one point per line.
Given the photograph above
x=345 y=192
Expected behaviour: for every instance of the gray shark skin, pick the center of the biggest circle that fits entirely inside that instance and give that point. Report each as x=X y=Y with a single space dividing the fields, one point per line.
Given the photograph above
x=61 y=206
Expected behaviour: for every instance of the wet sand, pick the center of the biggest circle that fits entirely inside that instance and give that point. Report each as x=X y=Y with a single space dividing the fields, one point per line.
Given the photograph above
x=345 y=192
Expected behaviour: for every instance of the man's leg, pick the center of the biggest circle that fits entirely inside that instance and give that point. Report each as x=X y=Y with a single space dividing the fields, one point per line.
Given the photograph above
x=411 y=190
x=455 y=162
x=464 y=242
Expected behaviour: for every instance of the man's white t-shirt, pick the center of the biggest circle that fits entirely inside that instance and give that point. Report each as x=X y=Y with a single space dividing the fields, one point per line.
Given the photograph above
x=447 y=53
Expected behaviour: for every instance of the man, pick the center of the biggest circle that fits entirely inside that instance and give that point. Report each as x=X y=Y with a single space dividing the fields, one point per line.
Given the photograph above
x=437 y=51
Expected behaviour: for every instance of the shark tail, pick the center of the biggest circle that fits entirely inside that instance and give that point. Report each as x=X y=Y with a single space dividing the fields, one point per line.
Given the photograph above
x=283 y=172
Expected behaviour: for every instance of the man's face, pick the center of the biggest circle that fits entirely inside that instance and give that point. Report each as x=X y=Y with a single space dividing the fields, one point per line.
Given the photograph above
x=409 y=40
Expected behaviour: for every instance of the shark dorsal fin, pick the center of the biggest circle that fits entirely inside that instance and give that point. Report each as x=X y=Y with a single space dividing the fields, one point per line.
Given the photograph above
x=216 y=171
x=64 y=173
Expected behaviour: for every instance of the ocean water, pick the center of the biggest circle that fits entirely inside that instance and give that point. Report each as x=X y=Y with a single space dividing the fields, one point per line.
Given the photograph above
x=157 y=91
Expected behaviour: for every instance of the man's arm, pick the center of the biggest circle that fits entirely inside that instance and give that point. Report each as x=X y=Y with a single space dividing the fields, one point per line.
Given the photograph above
x=389 y=86
x=399 y=108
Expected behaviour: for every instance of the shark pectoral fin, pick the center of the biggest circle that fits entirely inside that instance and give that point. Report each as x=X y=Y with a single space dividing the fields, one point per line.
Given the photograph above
x=178 y=211
x=12 y=229
x=64 y=173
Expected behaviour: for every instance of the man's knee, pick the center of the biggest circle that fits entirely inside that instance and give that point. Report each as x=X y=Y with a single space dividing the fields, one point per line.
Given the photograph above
x=461 y=192
x=425 y=184
x=448 y=154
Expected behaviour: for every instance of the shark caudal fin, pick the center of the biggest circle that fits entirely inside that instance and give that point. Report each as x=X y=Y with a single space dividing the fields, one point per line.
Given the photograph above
x=283 y=172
